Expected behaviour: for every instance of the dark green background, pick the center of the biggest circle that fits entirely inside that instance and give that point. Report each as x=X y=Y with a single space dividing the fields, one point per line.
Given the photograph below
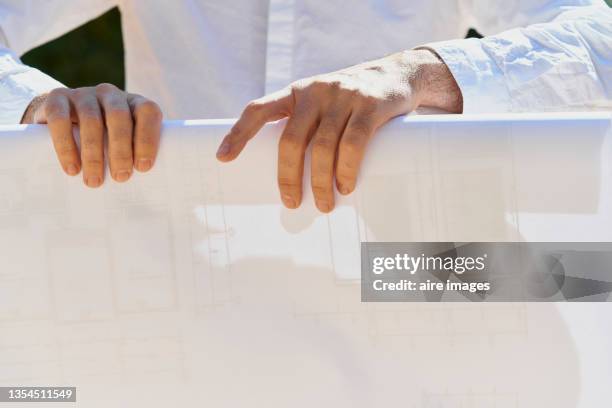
x=88 y=55
x=91 y=54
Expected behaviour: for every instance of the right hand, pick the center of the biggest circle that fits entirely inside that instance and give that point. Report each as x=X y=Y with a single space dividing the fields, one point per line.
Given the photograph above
x=133 y=124
x=338 y=113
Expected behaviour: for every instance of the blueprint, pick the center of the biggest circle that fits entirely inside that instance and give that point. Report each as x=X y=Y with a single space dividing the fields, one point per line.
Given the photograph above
x=193 y=285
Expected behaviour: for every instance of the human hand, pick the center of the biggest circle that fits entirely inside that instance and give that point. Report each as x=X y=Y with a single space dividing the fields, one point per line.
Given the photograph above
x=132 y=122
x=339 y=112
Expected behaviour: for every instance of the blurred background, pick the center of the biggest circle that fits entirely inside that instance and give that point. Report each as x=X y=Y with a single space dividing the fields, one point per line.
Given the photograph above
x=92 y=53
x=88 y=55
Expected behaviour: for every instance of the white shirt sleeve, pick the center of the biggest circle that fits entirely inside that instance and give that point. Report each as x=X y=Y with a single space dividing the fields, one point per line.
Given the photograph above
x=19 y=84
x=561 y=65
x=23 y=26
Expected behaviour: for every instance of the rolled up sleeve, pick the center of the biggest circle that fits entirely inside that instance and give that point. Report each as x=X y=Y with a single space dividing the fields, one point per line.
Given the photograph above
x=19 y=84
x=565 y=64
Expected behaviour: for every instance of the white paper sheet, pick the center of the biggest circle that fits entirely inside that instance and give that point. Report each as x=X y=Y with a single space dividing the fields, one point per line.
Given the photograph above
x=192 y=285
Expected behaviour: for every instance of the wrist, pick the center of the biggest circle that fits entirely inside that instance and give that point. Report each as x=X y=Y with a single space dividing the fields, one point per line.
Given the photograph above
x=432 y=82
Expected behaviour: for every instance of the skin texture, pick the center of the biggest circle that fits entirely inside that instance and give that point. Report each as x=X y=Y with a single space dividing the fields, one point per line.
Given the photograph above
x=338 y=113
x=132 y=124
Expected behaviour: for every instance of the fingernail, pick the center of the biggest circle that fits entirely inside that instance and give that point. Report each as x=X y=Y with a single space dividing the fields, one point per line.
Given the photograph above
x=72 y=170
x=344 y=189
x=122 y=175
x=323 y=206
x=143 y=164
x=289 y=202
x=223 y=149
x=93 y=181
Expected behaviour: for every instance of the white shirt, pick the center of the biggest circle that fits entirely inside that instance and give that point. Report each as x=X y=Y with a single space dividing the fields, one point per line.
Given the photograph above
x=208 y=58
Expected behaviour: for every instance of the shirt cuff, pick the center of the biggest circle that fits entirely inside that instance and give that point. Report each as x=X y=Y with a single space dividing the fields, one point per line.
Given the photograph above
x=481 y=81
x=19 y=84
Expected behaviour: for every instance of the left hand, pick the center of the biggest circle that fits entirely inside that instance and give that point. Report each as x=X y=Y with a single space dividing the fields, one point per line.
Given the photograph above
x=132 y=124
x=339 y=112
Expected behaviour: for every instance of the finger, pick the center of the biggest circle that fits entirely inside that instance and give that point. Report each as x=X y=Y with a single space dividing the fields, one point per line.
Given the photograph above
x=91 y=127
x=291 y=149
x=257 y=113
x=353 y=142
x=324 y=146
x=57 y=116
x=147 y=131
x=119 y=126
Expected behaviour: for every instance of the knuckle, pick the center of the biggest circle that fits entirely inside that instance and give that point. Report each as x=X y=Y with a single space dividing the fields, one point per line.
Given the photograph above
x=55 y=111
x=317 y=83
x=320 y=86
x=235 y=131
x=65 y=151
x=361 y=127
x=287 y=162
x=235 y=135
x=287 y=184
x=351 y=144
x=334 y=85
x=89 y=112
x=291 y=142
x=322 y=166
x=64 y=140
x=332 y=119
x=146 y=139
x=367 y=104
x=117 y=113
x=305 y=104
x=121 y=155
x=296 y=90
x=149 y=110
x=346 y=174
x=121 y=162
x=331 y=84
x=254 y=108
x=323 y=145
x=105 y=88
x=92 y=162
x=348 y=164
x=83 y=93
x=320 y=189
x=300 y=85
x=305 y=98
x=58 y=92
x=91 y=144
